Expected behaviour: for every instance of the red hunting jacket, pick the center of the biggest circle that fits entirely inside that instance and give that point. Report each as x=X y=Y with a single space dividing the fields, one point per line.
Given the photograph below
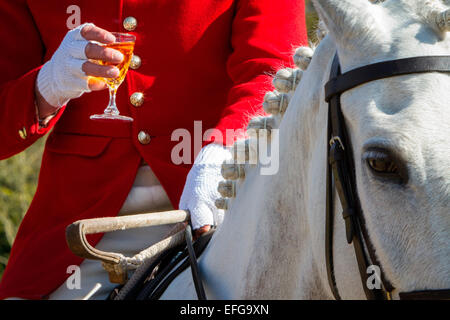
x=201 y=60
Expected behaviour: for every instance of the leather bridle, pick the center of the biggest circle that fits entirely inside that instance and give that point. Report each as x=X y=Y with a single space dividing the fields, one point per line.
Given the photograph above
x=340 y=166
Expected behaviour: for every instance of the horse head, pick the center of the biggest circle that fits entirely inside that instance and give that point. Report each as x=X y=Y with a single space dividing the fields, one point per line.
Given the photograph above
x=398 y=128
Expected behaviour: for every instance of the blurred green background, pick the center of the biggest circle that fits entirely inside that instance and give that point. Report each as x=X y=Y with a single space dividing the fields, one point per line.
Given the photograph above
x=19 y=175
x=18 y=179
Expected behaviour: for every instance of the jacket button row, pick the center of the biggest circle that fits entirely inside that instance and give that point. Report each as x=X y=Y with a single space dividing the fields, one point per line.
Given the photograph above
x=130 y=24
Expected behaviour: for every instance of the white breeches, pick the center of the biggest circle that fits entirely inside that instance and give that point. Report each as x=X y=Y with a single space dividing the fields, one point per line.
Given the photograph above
x=146 y=195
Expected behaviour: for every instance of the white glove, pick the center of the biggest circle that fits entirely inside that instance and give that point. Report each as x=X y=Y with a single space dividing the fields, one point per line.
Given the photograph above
x=62 y=77
x=200 y=191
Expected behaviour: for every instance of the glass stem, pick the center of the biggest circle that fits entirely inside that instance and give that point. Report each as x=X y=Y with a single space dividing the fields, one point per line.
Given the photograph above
x=112 y=108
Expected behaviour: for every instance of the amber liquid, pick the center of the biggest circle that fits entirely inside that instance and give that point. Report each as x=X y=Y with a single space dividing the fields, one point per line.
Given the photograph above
x=126 y=48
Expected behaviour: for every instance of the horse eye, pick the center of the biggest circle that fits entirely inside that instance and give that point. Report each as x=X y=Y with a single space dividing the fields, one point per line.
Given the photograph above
x=383 y=165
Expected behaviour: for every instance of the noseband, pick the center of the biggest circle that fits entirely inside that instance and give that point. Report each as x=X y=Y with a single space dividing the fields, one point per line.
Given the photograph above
x=341 y=170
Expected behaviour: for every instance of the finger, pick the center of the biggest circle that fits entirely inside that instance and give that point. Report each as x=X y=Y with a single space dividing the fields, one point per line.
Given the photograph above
x=94 y=33
x=96 y=52
x=96 y=70
x=198 y=232
x=96 y=84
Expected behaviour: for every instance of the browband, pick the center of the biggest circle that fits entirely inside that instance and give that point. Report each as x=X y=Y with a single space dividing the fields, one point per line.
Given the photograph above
x=386 y=69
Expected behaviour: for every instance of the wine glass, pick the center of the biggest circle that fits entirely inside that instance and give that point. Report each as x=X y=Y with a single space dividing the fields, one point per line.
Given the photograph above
x=125 y=44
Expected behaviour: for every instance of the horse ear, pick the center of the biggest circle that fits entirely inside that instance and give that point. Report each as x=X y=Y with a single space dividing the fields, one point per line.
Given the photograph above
x=348 y=21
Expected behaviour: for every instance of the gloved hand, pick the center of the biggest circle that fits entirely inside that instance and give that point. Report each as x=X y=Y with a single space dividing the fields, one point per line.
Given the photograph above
x=200 y=191
x=66 y=75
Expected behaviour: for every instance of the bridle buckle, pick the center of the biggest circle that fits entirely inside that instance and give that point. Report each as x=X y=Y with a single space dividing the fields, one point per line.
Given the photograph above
x=336 y=139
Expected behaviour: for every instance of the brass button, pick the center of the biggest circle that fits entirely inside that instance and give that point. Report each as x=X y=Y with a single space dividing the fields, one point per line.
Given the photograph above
x=137 y=99
x=144 y=137
x=135 y=62
x=23 y=133
x=130 y=23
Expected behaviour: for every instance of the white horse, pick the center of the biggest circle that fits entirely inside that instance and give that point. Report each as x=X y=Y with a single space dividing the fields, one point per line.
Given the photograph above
x=271 y=243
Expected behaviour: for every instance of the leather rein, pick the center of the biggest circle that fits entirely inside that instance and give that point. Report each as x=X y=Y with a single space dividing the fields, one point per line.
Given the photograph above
x=341 y=171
